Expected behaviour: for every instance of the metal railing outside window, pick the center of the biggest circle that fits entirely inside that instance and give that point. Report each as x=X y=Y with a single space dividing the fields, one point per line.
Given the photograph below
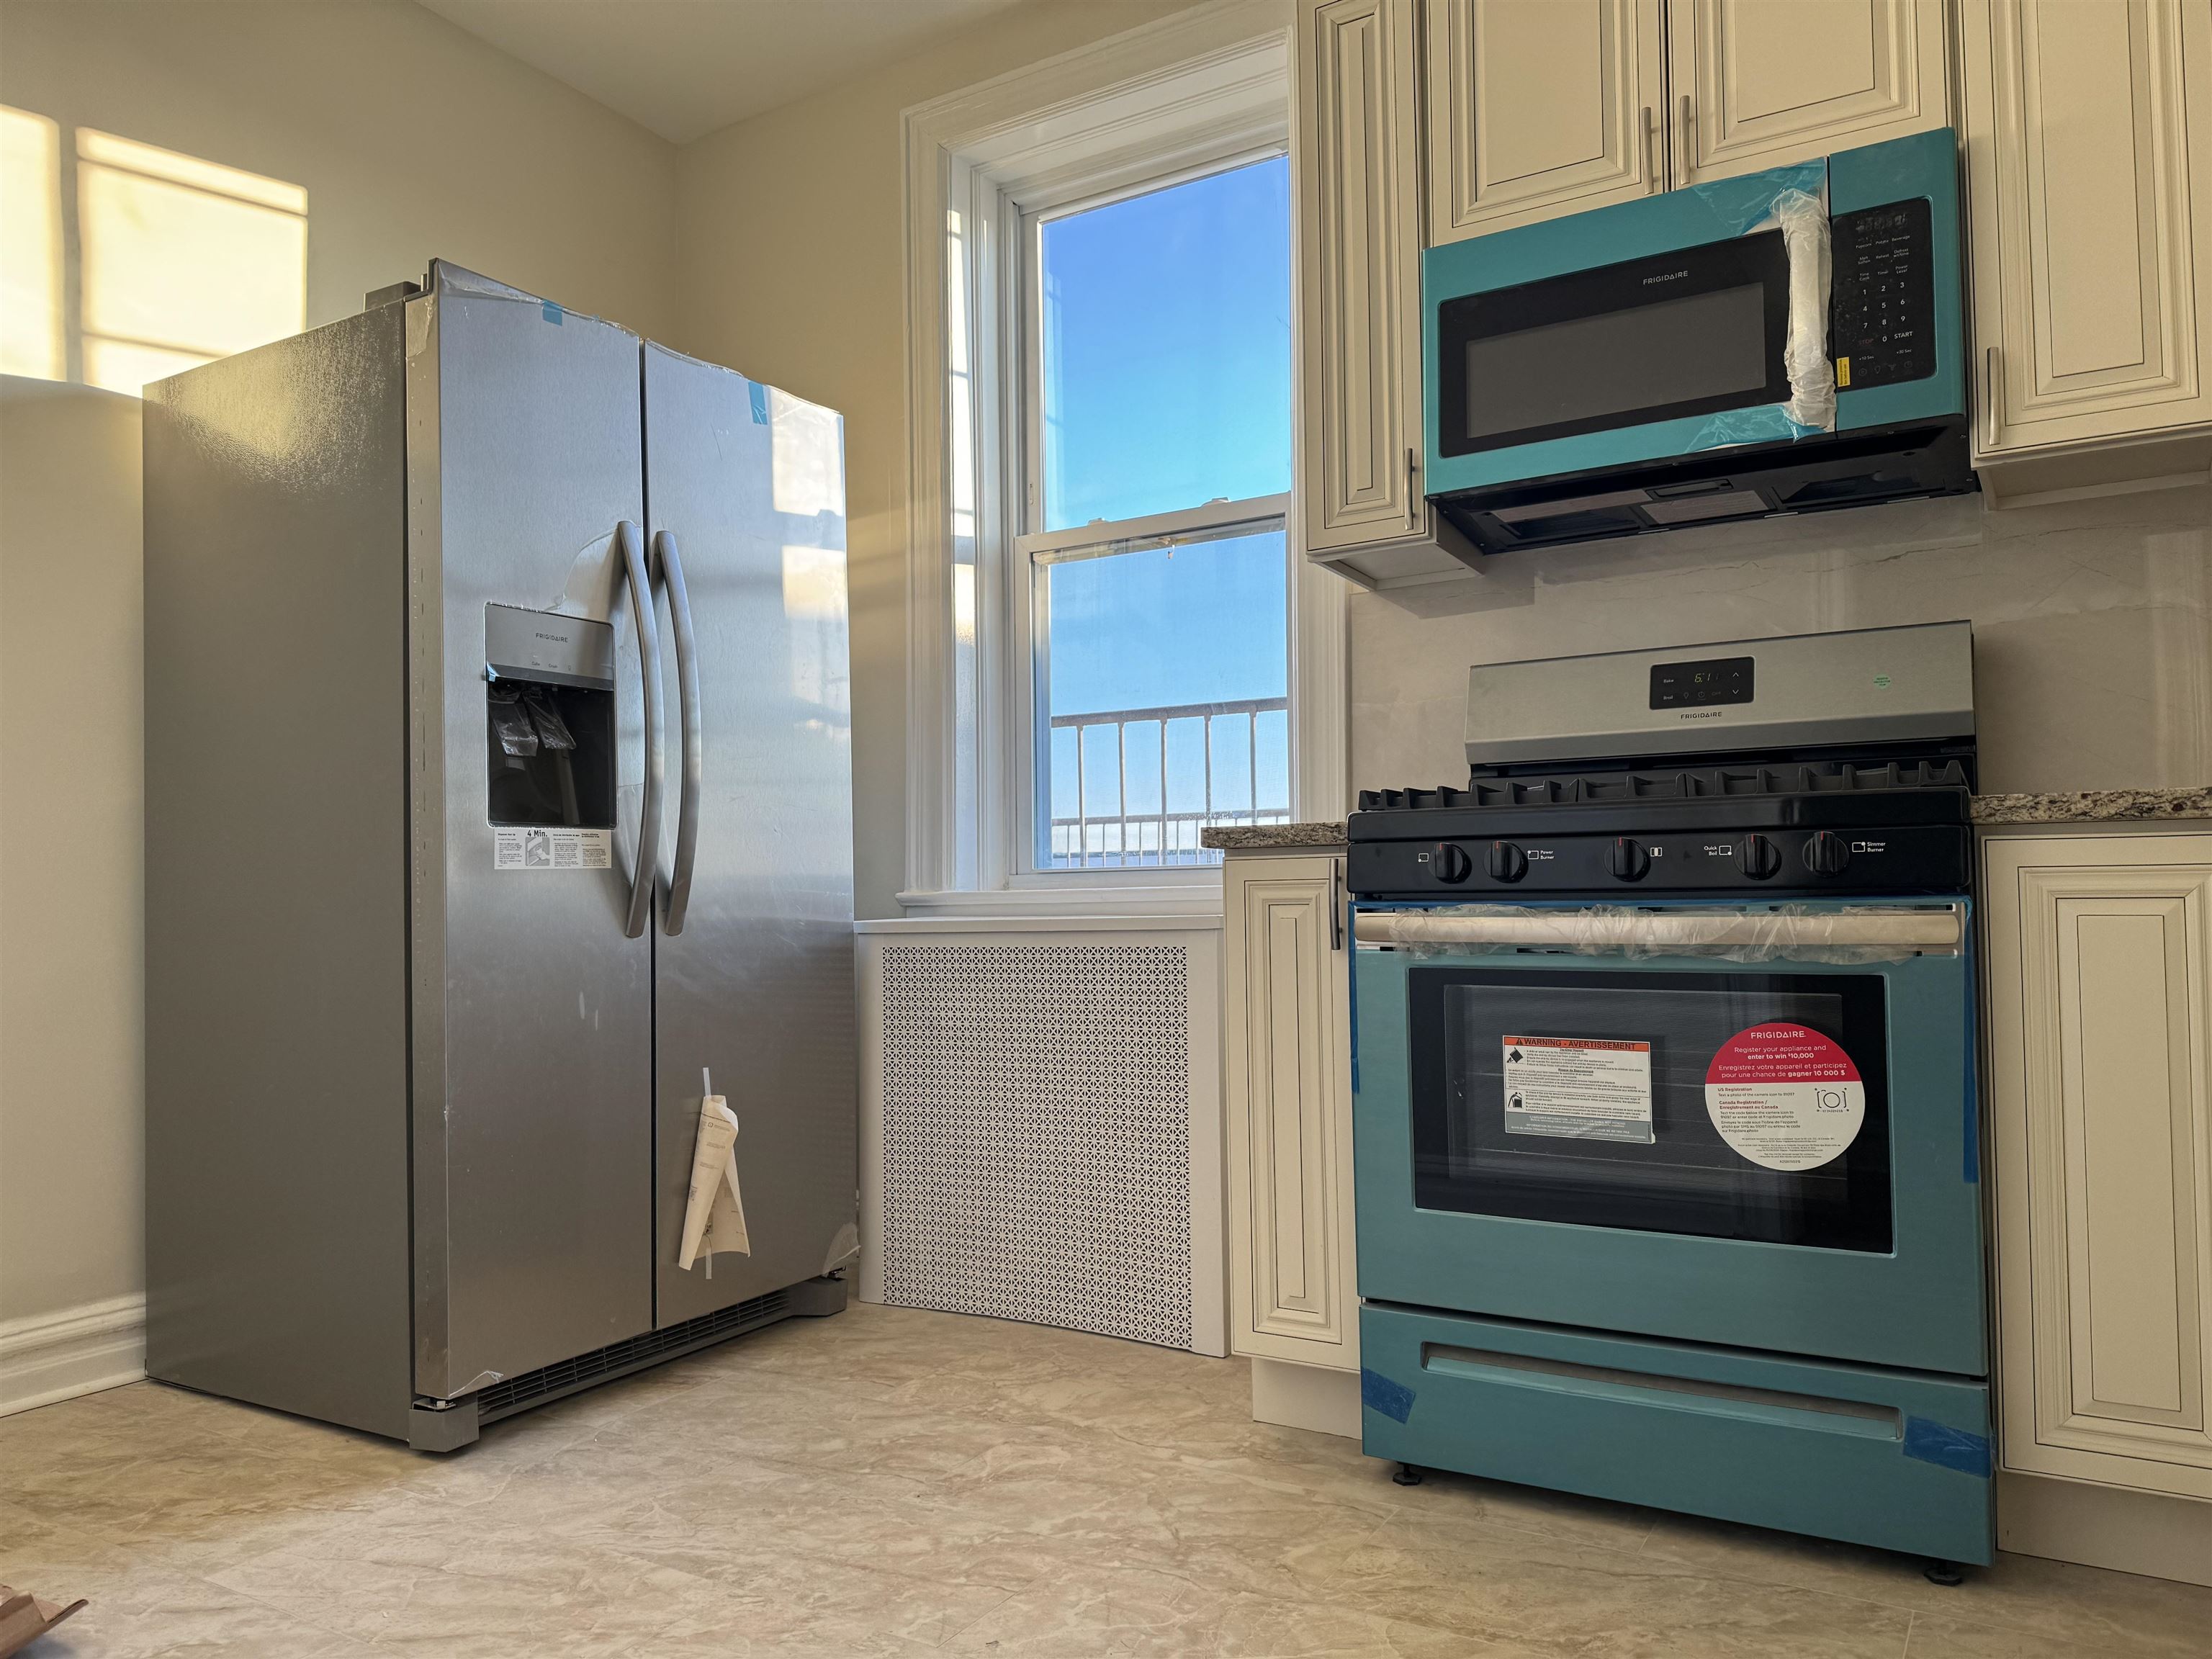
x=1165 y=835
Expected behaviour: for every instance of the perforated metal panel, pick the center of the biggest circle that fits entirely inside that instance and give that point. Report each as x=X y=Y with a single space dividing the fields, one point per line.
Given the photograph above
x=1036 y=1134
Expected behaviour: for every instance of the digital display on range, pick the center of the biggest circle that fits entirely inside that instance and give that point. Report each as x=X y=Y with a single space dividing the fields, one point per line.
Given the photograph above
x=1689 y=684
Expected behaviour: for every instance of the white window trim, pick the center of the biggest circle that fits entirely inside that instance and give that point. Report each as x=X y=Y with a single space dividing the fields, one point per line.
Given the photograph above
x=1194 y=90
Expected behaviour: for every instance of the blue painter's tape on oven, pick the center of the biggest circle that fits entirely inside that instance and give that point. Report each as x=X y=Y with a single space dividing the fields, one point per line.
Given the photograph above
x=551 y=312
x=758 y=393
x=1393 y=1400
x=1952 y=1448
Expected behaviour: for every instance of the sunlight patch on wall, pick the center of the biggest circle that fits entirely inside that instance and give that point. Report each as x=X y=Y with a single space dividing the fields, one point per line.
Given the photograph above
x=121 y=262
x=31 y=249
x=184 y=260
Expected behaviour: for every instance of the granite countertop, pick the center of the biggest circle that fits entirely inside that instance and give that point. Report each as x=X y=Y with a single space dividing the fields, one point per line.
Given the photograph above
x=1260 y=837
x=2095 y=804
x=2090 y=806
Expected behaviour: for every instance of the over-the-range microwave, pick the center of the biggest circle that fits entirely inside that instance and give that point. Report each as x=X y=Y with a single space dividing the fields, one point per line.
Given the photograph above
x=1629 y=369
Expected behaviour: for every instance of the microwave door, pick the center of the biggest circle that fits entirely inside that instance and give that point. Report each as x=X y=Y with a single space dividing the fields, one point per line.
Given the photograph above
x=1695 y=332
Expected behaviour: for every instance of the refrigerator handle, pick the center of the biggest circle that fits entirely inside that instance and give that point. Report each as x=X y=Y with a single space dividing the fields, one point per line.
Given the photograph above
x=694 y=741
x=648 y=656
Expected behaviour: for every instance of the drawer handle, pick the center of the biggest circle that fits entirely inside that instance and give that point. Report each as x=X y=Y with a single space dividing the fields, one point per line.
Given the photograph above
x=1857 y=1417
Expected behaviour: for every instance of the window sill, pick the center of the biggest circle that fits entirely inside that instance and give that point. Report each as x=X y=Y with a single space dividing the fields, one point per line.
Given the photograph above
x=1195 y=900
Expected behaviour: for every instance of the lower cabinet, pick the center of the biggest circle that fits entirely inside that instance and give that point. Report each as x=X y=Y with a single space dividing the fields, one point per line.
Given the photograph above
x=1287 y=1068
x=2099 y=979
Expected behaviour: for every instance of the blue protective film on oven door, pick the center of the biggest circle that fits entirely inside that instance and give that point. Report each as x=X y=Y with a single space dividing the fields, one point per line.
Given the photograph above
x=1972 y=1174
x=1938 y=1442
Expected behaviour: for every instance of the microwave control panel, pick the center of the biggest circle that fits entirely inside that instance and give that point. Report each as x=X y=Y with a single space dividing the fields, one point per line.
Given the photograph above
x=1882 y=325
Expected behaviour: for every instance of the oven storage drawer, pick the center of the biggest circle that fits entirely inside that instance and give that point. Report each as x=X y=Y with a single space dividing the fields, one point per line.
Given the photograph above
x=1897 y=1459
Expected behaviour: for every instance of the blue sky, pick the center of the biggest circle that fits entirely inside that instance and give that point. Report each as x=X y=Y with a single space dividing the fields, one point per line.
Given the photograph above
x=1167 y=383
x=1167 y=348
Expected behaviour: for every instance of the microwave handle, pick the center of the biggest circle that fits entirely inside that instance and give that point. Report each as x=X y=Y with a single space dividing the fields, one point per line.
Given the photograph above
x=1650 y=170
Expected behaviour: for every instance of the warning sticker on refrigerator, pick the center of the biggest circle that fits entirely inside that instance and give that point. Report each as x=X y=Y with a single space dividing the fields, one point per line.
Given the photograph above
x=528 y=847
x=1577 y=1088
x=1785 y=1096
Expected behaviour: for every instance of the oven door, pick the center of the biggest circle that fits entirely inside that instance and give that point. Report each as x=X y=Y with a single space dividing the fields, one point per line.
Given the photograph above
x=1776 y=1154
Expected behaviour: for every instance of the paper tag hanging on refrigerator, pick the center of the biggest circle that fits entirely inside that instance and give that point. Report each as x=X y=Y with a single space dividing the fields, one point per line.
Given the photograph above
x=715 y=1214
x=1785 y=1096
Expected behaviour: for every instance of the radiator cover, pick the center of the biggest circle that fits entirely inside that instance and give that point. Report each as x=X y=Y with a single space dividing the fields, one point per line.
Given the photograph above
x=1036 y=1155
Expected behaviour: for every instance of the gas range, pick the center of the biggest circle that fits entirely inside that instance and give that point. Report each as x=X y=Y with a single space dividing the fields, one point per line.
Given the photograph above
x=1584 y=781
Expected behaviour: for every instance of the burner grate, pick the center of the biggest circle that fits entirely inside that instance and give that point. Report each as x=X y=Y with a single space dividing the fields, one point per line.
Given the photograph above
x=1690 y=783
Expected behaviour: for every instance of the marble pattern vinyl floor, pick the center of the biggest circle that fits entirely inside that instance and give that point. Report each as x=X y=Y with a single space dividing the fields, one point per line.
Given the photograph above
x=894 y=1483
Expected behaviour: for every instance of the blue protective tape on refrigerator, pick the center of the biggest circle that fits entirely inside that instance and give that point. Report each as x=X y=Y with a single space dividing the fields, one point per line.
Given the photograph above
x=1952 y=1448
x=1393 y=1400
x=551 y=312
x=758 y=394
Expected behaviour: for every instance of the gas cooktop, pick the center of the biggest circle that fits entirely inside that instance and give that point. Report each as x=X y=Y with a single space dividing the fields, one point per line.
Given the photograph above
x=1871 y=794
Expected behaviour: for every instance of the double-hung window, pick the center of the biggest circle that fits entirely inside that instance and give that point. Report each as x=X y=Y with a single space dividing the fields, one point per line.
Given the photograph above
x=1152 y=564
x=1112 y=641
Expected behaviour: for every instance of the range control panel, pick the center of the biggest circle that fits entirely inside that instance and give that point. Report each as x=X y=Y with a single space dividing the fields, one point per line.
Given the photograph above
x=1909 y=859
x=1881 y=317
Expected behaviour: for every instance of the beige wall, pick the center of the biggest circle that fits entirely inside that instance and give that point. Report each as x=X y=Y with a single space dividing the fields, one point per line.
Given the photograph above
x=2093 y=626
x=71 y=921
x=411 y=139
x=793 y=238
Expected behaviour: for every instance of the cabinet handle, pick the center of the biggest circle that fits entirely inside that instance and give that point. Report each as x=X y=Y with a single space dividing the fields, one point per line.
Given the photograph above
x=1689 y=143
x=1650 y=171
x=1412 y=488
x=1336 y=904
x=1990 y=396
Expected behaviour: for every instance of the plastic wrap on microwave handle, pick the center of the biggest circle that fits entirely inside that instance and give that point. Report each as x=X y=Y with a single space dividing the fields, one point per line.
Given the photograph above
x=1794 y=202
x=1793 y=933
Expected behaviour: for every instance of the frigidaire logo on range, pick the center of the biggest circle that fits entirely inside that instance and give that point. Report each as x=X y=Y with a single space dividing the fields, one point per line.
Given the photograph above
x=1669 y=276
x=1701 y=715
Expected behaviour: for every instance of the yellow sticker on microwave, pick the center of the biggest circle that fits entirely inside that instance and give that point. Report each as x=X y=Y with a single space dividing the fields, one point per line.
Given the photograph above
x=1843 y=371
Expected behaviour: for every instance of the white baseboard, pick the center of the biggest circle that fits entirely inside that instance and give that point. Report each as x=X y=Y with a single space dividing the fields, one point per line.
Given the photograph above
x=1306 y=1397
x=2149 y=1532
x=81 y=1350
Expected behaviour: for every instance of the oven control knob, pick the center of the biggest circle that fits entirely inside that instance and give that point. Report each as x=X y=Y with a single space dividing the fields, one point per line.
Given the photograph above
x=1761 y=859
x=1628 y=860
x=1453 y=864
x=1507 y=861
x=1826 y=853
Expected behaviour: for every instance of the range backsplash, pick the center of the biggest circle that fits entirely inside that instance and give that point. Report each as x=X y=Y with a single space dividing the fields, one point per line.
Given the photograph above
x=2093 y=626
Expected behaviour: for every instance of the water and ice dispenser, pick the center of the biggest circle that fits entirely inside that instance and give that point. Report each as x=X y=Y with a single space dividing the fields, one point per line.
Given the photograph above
x=549 y=719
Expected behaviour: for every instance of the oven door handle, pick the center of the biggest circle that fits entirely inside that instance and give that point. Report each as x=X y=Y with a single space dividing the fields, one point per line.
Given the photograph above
x=1931 y=929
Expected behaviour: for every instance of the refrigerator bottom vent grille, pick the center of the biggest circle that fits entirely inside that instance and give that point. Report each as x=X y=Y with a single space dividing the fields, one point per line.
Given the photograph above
x=511 y=1393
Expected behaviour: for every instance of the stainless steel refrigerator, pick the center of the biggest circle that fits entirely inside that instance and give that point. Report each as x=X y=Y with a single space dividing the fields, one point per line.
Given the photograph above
x=497 y=794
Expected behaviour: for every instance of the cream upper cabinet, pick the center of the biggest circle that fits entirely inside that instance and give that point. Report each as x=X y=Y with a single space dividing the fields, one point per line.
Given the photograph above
x=1359 y=253
x=1287 y=1059
x=2089 y=170
x=2101 y=1105
x=1542 y=107
x=1762 y=83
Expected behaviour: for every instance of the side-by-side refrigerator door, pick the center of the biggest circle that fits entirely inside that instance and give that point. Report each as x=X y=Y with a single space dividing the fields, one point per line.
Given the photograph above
x=754 y=957
x=531 y=692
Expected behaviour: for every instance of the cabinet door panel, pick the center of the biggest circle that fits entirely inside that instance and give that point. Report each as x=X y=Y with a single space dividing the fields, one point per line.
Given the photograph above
x=1771 y=82
x=2091 y=188
x=1289 y=1144
x=1362 y=292
x=1541 y=107
x=2101 y=1113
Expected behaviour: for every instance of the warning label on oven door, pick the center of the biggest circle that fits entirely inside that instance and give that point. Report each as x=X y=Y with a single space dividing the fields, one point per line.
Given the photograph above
x=1577 y=1088
x=1785 y=1096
